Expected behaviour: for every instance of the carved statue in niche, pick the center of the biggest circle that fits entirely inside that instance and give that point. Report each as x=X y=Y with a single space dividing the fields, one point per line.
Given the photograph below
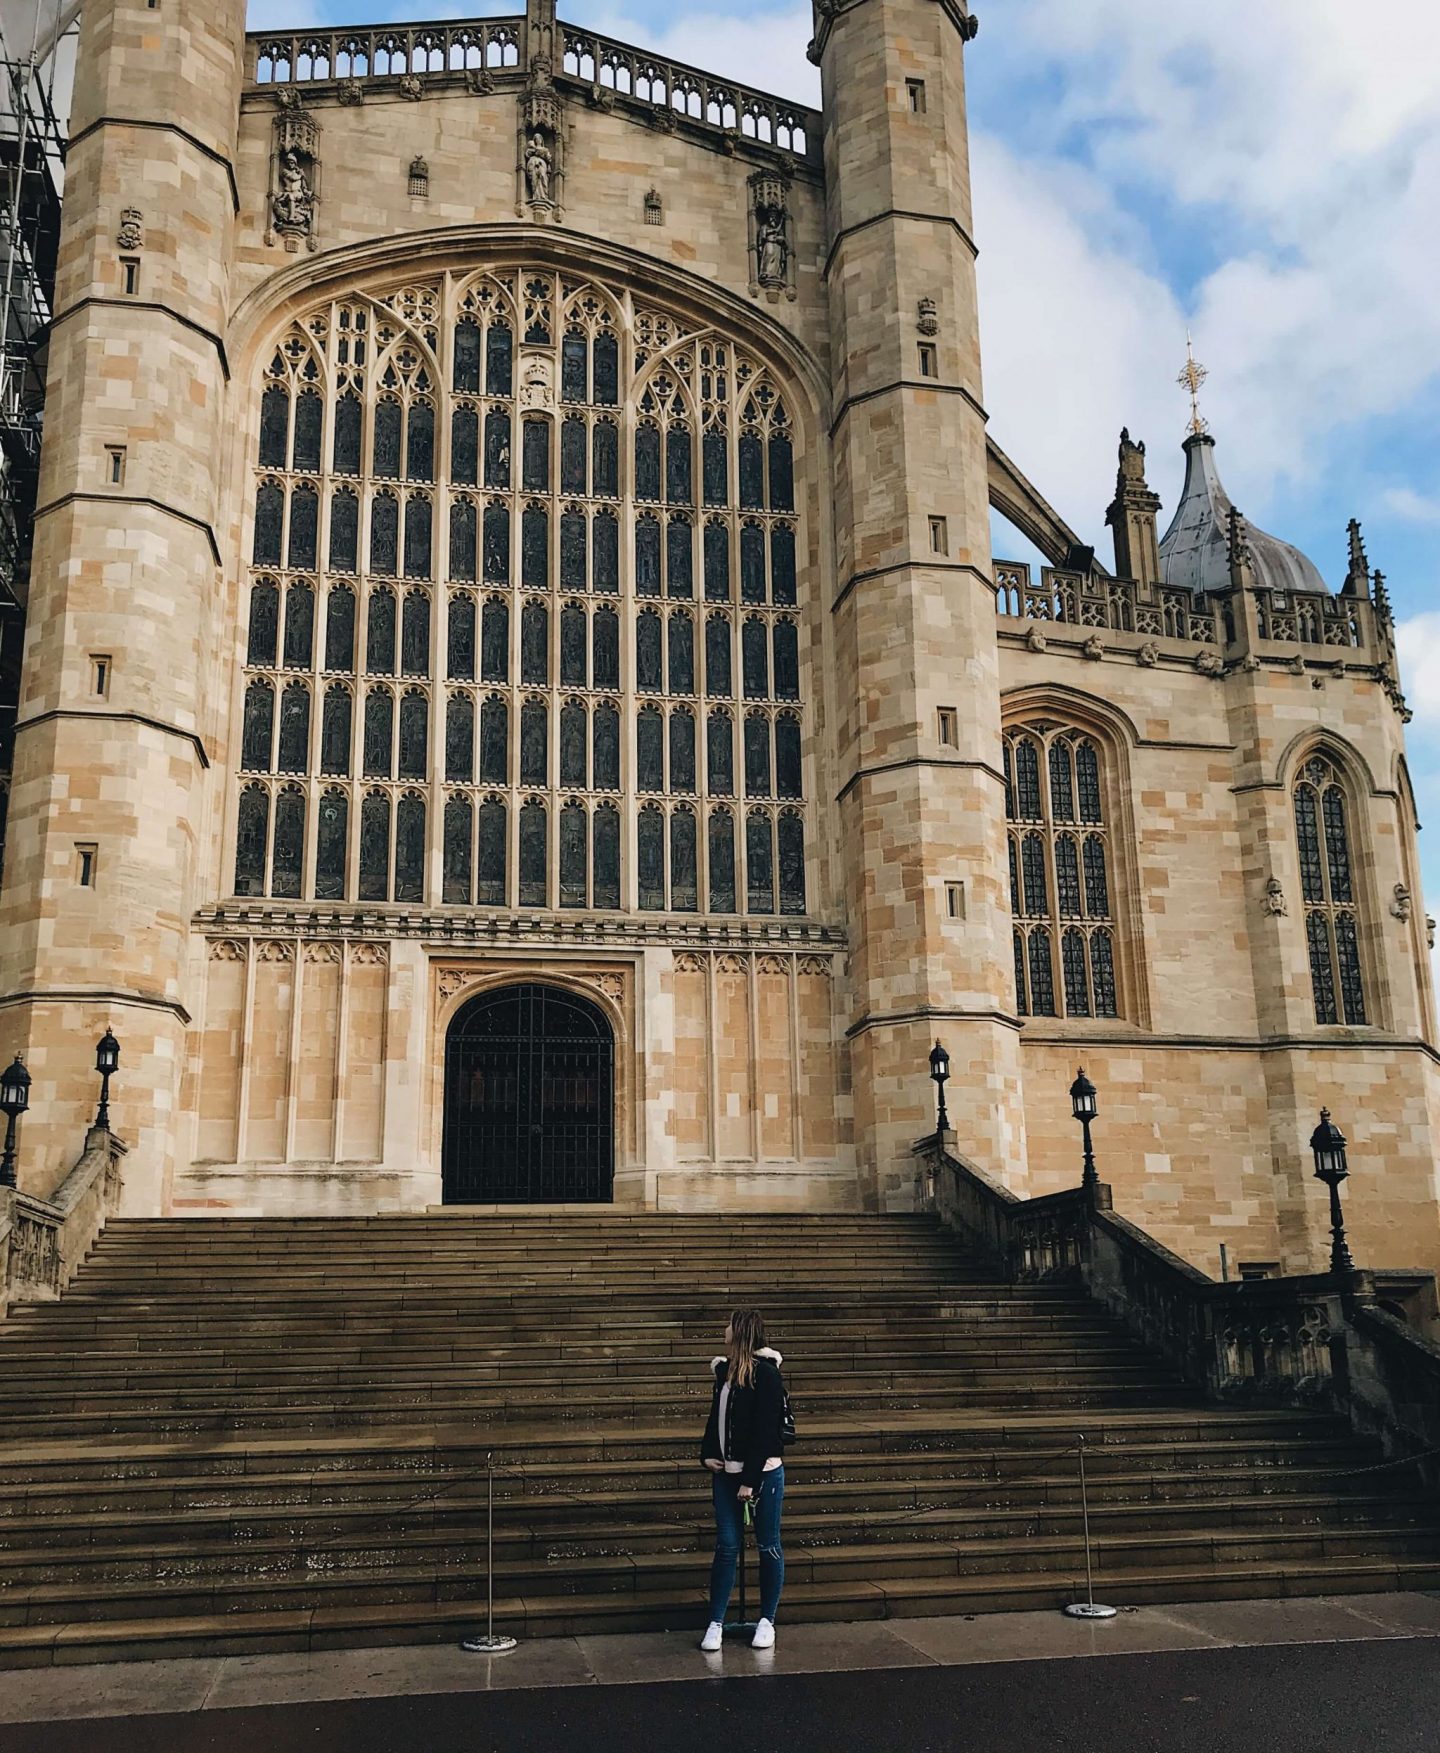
x=772 y=263
x=774 y=252
x=295 y=202
x=294 y=196
x=538 y=164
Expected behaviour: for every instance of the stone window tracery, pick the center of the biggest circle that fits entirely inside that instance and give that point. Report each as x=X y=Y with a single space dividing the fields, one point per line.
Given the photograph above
x=522 y=627
x=1061 y=901
x=1328 y=891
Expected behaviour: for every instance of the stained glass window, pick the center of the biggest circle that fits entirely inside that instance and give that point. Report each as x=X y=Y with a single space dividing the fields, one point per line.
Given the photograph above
x=251 y=840
x=1059 y=879
x=264 y=625
x=1327 y=887
x=457 y=479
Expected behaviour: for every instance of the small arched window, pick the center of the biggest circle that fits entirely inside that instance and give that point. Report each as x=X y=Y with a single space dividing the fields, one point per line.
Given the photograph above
x=1061 y=880
x=1328 y=890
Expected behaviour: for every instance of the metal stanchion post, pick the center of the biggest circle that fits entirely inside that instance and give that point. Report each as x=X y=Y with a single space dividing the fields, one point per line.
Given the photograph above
x=1089 y=1608
x=490 y=1644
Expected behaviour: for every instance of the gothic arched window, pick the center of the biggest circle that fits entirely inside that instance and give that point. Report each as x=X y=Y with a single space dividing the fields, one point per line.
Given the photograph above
x=1328 y=891
x=1061 y=880
x=473 y=622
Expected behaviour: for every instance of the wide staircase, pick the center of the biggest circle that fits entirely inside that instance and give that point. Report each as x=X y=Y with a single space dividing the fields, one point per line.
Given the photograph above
x=237 y=1435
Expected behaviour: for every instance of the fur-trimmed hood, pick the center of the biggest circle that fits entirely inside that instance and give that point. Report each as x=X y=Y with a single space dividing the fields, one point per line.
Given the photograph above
x=766 y=1351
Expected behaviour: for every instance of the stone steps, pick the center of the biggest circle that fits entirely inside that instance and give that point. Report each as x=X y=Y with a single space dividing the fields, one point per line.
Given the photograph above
x=269 y=1434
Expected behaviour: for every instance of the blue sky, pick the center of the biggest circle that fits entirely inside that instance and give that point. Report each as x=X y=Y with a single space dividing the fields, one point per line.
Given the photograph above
x=1267 y=174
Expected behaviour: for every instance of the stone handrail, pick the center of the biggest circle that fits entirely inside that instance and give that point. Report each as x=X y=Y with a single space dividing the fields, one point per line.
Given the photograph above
x=1117 y=605
x=373 y=55
x=1122 y=605
x=42 y=1241
x=1318 y=1339
x=382 y=51
x=738 y=111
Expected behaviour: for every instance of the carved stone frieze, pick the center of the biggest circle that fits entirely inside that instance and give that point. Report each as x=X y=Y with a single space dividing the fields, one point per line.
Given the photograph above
x=227 y=949
x=275 y=949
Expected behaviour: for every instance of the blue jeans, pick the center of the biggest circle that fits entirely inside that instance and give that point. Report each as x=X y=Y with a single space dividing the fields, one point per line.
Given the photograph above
x=729 y=1529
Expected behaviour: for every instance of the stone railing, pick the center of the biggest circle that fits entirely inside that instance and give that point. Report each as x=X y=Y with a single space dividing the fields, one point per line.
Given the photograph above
x=1319 y=1339
x=668 y=90
x=686 y=91
x=1122 y=605
x=1117 y=605
x=42 y=1241
x=309 y=57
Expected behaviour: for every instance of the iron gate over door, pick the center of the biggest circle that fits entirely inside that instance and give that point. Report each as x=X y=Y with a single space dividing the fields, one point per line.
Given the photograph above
x=529 y=1098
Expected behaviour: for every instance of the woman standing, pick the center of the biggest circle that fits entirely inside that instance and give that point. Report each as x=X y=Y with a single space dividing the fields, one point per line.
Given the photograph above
x=743 y=1448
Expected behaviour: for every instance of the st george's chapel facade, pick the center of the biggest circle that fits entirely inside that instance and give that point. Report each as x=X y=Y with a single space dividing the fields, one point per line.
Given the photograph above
x=519 y=705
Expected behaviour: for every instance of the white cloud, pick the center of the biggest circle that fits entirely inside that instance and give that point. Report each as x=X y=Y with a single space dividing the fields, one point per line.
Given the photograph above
x=1306 y=143
x=1418 y=638
x=1412 y=507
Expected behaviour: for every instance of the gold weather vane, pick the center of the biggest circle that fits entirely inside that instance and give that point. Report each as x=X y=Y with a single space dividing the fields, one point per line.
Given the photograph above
x=1191 y=379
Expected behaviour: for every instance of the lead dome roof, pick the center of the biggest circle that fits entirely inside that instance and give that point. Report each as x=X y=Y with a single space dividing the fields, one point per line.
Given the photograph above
x=1195 y=550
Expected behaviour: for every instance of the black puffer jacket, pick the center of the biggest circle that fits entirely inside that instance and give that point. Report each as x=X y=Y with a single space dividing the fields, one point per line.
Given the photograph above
x=754 y=1421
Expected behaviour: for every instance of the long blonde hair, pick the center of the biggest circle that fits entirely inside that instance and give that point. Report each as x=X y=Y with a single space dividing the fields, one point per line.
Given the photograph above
x=747 y=1336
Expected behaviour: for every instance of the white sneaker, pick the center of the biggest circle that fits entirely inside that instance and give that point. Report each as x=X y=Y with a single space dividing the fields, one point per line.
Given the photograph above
x=711 y=1640
x=764 y=1638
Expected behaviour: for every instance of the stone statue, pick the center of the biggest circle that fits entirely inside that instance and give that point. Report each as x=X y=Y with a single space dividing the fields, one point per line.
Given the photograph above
x=537 y=170
x=771 y=250
x=1275 y=898
x=295 y=203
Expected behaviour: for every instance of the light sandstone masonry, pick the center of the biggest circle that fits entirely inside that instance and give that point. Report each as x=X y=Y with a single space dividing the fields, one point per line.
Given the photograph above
x=288 y=1057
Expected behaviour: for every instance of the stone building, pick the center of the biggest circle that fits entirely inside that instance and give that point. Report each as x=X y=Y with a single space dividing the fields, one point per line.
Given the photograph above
x=518 y=703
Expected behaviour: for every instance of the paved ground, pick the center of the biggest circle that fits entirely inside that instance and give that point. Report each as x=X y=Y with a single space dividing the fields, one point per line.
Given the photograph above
x=1316 y=1676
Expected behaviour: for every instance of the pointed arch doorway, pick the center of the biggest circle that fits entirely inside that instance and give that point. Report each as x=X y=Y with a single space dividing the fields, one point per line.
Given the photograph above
x=529 y=1099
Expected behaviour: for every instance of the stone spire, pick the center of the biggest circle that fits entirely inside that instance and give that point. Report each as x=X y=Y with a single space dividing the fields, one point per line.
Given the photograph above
x=1357 y=579
x=1132 y=516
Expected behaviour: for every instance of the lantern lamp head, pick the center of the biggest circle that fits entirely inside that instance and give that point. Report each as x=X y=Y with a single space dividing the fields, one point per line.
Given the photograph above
x=1082 y=1097
x=14 y=1088
x=1327 y=1142
x=939 y=1063
x=107 y=1053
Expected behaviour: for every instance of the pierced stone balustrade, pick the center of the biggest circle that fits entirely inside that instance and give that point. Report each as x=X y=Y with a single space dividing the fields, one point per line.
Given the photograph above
x=1122 y=605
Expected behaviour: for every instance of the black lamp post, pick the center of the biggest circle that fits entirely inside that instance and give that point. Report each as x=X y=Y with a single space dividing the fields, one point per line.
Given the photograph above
x=107 y=1062
x=14 y=1100
x=1327 y=1141
x=1084 y=1107
x=940 y=1071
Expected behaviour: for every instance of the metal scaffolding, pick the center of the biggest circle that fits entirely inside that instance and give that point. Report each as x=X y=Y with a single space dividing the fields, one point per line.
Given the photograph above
x=36 y=47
